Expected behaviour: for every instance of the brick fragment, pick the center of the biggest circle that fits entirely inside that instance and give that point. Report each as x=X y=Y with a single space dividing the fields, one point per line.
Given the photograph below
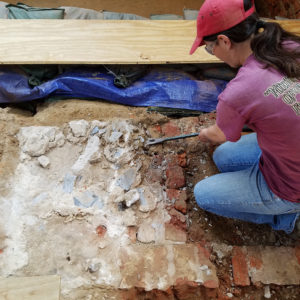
x=182 y=161
x=211 y=284
x=181 y=206
x=203 y=252
x=177 y=160
x=155 y=131
x=154 y=175
x=101 y=230
x=179 y=198
x=161 y=295
x=175 y=177
x=170 y=129
x=177 y=219
x=240 y=269
x=185 y=289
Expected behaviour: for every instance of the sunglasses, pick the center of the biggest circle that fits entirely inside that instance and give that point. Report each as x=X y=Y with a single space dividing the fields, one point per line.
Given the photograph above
x=210 y=48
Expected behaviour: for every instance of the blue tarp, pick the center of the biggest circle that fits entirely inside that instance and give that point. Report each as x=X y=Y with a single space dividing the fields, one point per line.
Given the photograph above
x=160 y=87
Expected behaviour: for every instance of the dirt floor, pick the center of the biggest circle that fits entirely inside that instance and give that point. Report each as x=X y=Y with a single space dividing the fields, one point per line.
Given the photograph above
x=202 y=226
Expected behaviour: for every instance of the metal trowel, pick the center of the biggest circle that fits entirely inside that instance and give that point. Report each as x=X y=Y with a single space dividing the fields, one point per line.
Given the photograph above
x=162 y=140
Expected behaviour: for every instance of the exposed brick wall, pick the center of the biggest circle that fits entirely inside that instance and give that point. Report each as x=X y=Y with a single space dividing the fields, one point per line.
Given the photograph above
x=283 y=8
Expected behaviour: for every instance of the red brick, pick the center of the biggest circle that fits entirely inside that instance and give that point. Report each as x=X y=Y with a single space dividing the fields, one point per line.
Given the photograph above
x=175 y=177
x=203 y=252
x=101 y=230
x=182 y=159
x=176 y=160
x=176 y=216
x=181 y=206
x=173 y=194
x=211 y=293
x=171 y=129
x=161 y=295
x=211 y=284
x=184 y=281
x=240 y=269
x=180 y=198
x=1 y=251
x=177 y=219
x=187 y=290
x=255 y=261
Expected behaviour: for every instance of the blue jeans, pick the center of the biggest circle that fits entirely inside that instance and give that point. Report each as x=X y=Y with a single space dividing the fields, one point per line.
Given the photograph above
x=240 y=190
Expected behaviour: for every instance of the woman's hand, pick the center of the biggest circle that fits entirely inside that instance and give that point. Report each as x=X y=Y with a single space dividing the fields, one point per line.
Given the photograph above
x=212 y=134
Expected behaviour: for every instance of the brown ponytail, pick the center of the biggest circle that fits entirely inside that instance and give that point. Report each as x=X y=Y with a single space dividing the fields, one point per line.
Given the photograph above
x=269 y=48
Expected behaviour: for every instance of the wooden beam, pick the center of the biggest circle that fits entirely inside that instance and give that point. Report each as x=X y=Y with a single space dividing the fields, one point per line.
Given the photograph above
x=30 y=288
x=103 y=42
x=98 y=42
x=140 y=7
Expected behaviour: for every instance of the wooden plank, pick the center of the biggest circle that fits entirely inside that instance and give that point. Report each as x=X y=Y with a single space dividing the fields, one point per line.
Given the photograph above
x=30 y=288
x=140 y=7
x=102 y=42
x=98 y=42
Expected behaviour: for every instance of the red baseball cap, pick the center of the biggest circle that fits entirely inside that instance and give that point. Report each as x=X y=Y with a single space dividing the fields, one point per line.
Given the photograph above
x=218 y=15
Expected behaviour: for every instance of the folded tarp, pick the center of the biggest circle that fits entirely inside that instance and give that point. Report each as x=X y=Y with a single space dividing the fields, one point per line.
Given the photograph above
x=160 y=87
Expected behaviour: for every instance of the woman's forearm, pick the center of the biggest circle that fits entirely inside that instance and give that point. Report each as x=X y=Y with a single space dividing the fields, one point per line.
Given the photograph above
x=212 y=134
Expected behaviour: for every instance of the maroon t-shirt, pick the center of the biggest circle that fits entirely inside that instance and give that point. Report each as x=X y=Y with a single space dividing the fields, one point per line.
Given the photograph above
x=269 y=103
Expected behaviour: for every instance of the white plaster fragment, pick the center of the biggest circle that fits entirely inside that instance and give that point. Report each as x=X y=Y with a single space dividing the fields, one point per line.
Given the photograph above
x=267 y=293
x=60 y=139
x=131 y=197
x=148 y=200
x=36 y=140
x=91 y=148
x=116 y=194
x=96 y=157
x=79 y=127
x=44 y=161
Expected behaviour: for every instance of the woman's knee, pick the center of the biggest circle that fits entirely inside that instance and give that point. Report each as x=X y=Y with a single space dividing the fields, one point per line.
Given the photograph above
x=203 y=192
x=220 y=156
